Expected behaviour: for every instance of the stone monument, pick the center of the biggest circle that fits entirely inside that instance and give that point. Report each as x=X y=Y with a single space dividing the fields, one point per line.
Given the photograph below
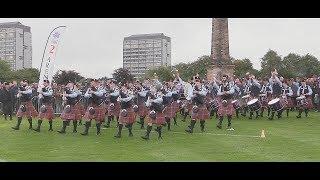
x=222 y=63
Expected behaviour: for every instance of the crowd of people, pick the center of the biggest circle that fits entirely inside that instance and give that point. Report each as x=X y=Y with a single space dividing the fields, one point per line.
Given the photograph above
x=155 y=104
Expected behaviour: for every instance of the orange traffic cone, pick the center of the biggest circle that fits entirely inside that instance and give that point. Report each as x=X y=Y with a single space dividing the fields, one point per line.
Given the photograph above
x=263 y=135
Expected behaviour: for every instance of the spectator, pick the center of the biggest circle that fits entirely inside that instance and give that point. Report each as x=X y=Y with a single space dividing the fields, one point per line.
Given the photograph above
x=6 y=97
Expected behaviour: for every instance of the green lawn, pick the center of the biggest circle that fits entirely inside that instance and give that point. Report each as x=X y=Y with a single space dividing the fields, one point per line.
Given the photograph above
x=288 y=139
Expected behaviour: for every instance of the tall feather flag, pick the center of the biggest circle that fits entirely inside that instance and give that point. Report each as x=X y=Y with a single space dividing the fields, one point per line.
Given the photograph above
x=49 y=54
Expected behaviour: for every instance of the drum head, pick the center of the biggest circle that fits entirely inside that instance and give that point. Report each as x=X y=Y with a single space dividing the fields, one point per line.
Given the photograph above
x=252 y=102
x=301 y=97
x=273 y=101
x=246 y=96
x=234 y=101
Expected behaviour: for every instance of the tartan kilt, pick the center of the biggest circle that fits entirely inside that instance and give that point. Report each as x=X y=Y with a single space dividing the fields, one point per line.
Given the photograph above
x=226 y=110
x=142 y=110
x=129 y=119
x=169 y=111
x=176 y=106
x=188 y=106
x=309 y=104
x=202 y=114
x=30 y=110
x=288 y=103
x=71 y=115
x=160 y=119
x=81 y=111
x=99 y=114
x=49 y=114
x=116 y=111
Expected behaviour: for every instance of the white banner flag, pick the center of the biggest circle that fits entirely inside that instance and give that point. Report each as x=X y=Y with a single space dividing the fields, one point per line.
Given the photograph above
x=49 y=55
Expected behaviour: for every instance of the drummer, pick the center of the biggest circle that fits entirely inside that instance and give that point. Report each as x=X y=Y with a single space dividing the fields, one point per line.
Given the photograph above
x=246 y=93
x=265 y=96
x=305 y=98
x=276 y=86
x=286 y=99
x=254 y=93
x=238 y=91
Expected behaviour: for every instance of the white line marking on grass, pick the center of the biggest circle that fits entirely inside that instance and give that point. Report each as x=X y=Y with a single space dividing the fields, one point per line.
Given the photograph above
x=2 y=160
x=235 y=135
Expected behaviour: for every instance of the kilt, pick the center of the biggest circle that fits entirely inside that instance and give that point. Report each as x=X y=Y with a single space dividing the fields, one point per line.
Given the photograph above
x=116 y=111
x=99 y=114
x=143 y=110
x=188 y=106
x=71 y=115
x=202 y=114
x=287 y=103
x=169 y=111
x=81 y=111
x=264 y=102
x=176 y=106
x=226 y=110
x=160 y=119
x=309 y=104
x=129 y=119
x=30 y=110
x=49 y=114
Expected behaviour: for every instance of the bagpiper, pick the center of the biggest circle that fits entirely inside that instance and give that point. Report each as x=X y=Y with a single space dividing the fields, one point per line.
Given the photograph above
x=26 y=108
x=199 y=111
x=70 y=110
x=113 y=106
x=95 y=111
x=46 y=109
x=225 y=92
x=156 y=116
x=265 y=96
x=127 y=114
x=287 y=93
x=142 y=92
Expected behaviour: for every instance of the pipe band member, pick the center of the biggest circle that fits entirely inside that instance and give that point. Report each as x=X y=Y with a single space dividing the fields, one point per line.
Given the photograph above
x=276 y=86
x=26 y=108
x=286 y=99
x=306 y=104
x=225 y=92
x=127 y=115
x=199 y=110
x=142 y=96
x=46 y=109
x=114 y=106
x=95 y=110
x=156 y=116
x=70 y=110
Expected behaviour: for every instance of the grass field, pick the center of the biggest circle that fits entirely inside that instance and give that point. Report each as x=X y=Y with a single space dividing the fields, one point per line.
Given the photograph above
x=287 y=139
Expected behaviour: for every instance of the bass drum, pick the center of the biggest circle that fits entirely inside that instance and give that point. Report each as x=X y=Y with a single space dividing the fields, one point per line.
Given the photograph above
x=275 y=104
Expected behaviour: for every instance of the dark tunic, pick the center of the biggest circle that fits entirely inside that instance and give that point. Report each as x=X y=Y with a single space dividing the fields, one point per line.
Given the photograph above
x=7 y=99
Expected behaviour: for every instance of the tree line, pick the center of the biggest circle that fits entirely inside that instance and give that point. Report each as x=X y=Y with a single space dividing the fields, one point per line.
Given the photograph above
x=291 y=66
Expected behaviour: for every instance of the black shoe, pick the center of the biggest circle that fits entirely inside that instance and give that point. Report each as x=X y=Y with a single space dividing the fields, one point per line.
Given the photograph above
x=50 y=129
x=130 y=134
x=189 y=131
x=219 y=126
x=98 y=133
x=15 y=128
x=106 y=125
x=61 y=132
x=74 y=131
x=84 y=134
x=145 y=137
x=142 y=127
x=37 y=130
x=117 y=136
x=160 y=138
x=299 y=116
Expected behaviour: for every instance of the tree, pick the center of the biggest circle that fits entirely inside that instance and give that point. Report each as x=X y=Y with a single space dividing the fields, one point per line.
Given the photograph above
x=122 y=75
x=291 y=66
x=270 y=61
x=164 y=73
x=242 y=67
x=63 y=77
x=5 y=71
x=309 y=65
x=31 y=74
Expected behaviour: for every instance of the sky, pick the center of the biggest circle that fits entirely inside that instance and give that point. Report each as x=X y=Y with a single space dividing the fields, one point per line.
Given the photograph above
x=93 y=46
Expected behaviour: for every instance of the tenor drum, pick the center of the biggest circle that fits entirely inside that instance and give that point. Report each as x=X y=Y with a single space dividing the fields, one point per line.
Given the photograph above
x=275 y=104
x=254 y=104
x=246 y=96
x=236 y=104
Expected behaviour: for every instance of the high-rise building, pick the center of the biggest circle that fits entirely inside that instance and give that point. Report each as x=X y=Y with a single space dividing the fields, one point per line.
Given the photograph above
x=15 y=45
x=146 y=51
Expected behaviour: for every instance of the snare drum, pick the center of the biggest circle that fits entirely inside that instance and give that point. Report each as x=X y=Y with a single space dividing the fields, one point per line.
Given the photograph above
x=254 y=105
x=236 y=104
x=275 y=104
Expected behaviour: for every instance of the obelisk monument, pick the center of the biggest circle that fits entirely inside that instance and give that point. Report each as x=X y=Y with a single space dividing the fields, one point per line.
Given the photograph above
x=222 y=63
